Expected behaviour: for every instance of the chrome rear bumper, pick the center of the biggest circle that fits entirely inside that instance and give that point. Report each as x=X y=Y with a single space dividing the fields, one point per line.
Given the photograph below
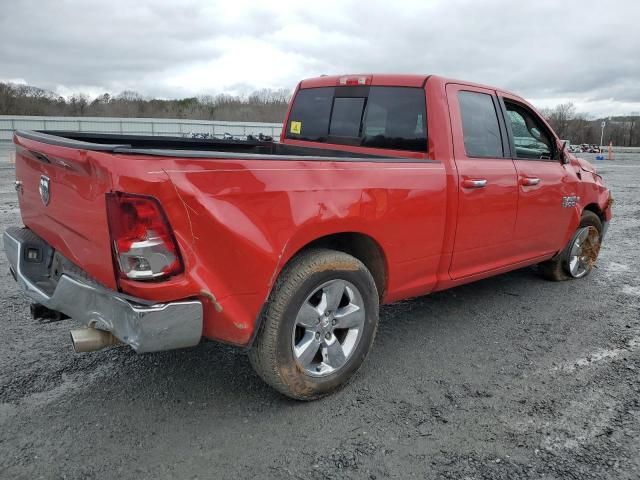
x=145 y=327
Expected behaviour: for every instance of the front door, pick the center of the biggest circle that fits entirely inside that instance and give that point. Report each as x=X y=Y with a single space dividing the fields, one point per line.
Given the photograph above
x=487 y=183
x=547 y=187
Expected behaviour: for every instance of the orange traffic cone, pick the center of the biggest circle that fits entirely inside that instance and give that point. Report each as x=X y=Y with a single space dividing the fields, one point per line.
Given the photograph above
x=610 y=156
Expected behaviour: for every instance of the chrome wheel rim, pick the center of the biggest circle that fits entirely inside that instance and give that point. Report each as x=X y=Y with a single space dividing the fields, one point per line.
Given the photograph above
x=328 y=328
x=584 y=251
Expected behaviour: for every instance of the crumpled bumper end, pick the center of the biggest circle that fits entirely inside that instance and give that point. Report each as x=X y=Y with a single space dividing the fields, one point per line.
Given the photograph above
x=145 y=326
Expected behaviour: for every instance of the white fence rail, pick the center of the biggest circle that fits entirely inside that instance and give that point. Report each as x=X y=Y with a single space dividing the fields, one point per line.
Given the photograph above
x=621 y=149
x=134 y=126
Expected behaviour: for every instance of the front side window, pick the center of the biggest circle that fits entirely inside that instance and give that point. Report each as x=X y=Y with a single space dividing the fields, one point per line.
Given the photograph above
x=379 y=117
x=480 y=127
x=530 y=138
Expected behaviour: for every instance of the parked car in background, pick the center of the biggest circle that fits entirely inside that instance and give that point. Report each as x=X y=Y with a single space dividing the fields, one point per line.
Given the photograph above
x=382 y=187
x=575 y=149
x=587 y=148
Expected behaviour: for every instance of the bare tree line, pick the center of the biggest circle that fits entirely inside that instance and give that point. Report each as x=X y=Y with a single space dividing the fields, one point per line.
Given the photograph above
x=260 y=106
x=579 y=128
x=265 y=106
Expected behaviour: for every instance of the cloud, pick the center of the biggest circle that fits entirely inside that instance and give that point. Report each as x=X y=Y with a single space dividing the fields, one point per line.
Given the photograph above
x=549 y=52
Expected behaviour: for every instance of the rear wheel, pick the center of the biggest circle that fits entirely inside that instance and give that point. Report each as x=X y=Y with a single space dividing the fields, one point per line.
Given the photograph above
x=318 y=326
x=579 y=256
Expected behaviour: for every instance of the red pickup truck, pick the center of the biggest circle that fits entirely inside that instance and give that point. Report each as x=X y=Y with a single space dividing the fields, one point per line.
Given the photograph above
x=382 y=187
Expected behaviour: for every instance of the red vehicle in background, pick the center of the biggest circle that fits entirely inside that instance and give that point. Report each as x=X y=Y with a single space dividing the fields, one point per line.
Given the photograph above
x=382 y=187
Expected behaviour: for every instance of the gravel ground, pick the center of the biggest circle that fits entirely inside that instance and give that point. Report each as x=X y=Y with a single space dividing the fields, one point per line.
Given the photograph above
x=510 y=377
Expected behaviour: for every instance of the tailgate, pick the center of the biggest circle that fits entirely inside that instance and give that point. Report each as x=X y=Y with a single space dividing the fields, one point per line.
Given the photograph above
x=62 y=199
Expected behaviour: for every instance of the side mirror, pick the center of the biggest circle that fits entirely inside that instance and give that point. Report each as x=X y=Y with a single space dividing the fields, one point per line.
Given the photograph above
x=564 y=158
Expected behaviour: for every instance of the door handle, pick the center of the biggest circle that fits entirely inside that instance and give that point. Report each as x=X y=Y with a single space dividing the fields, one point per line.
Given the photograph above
x=530 y=181
x=474 y=183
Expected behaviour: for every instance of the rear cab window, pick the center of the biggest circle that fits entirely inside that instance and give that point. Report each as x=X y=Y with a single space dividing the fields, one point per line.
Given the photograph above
x=346 y=117
x=377 y=117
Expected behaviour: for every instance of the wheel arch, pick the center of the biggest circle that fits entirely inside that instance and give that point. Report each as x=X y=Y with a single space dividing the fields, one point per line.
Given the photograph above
x=594 y=208
x=360 y=245
x=357 y=244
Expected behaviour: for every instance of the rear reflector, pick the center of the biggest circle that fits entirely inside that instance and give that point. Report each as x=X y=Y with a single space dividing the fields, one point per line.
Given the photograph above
x=143 y=244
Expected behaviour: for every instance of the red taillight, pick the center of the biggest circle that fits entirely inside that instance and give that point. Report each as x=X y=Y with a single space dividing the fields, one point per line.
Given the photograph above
x=143 y=244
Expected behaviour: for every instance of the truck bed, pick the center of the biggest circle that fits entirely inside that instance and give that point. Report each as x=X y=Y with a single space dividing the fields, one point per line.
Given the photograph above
x=185 y=147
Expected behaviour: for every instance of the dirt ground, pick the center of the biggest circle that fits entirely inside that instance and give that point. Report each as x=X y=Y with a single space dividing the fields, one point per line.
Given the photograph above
x=510 y=377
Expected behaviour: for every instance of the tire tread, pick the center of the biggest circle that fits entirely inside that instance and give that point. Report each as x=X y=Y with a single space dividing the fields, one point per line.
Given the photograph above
x=264 y=355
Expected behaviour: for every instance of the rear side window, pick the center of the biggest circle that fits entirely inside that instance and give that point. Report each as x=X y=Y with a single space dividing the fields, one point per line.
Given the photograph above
x=379 y=117
x=480 y=125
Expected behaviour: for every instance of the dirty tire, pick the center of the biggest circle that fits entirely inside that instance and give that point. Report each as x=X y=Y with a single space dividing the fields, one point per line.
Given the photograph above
x=272 y=354
x=557 y=269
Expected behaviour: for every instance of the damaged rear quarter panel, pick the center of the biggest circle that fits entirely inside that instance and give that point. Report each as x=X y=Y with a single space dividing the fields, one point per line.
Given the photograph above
x=238 y=222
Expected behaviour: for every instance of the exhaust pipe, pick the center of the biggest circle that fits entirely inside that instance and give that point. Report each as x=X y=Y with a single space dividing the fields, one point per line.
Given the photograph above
x=91 y=339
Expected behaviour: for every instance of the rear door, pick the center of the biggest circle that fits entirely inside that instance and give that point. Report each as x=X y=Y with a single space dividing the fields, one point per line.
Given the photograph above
x=488 y=191
x=546 y=186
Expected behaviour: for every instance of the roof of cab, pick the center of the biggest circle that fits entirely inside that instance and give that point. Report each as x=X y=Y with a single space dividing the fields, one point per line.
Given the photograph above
x=393 y=79
x=381 y=79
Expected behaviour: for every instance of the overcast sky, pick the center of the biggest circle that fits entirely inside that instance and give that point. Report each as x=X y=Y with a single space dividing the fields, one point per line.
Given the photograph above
x=550 y=52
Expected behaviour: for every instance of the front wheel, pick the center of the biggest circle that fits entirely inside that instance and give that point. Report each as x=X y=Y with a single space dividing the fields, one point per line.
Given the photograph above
x=579 y=256
x=318 y=326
